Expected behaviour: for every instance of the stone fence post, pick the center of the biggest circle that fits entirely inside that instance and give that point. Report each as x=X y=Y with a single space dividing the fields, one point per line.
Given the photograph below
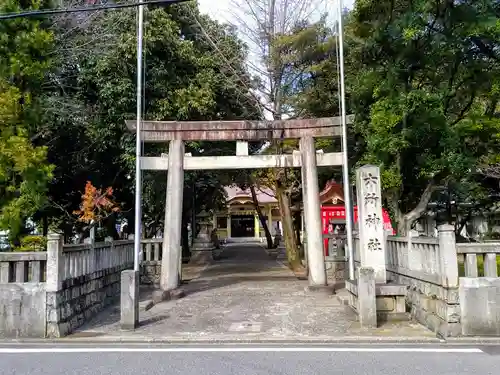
x=448 y=260
x=54 y=280
x=55 y=262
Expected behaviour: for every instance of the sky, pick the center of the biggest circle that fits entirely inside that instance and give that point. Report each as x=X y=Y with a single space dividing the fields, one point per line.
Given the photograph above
x=221 y=9
x=224 y=11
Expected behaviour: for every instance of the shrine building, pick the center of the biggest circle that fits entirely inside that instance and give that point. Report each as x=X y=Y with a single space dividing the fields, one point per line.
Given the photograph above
x=240 y=219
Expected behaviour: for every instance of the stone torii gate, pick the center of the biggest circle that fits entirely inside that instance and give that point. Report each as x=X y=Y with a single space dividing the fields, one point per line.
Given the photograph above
x=242 y=131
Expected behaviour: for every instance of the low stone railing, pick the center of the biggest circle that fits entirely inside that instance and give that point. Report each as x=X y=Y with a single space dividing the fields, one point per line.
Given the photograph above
x=49 y=294
x=151 y=260
x=22 y=294
x=152 y=249
x=85 y=259
x=416 y=257
x=82 y=280
x=428 y=268
x=436 y=296
x=488 y=253
x=23 y=267
x=480 y=288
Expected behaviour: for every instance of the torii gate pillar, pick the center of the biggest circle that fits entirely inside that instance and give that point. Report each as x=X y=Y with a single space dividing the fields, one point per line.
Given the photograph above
x=172 y=250
x=314 y=238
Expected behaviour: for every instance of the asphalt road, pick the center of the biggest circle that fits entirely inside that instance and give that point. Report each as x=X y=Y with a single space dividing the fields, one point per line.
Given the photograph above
x=125 y=360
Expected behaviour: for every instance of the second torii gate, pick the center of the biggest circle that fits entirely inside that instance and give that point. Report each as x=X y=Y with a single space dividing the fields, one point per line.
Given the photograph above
x=176 y=132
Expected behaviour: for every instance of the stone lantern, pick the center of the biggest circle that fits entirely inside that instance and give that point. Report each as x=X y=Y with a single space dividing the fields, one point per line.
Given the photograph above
x=201 y=250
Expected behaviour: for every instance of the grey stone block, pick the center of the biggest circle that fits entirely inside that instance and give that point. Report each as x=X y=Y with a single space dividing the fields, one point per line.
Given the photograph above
x=23 y=310
x=480 y=306
x=129 y=300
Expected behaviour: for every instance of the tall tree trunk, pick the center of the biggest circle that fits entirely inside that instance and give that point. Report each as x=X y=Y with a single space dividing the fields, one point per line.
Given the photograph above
x=405 y=221
x=292 y=250
x=262 y=219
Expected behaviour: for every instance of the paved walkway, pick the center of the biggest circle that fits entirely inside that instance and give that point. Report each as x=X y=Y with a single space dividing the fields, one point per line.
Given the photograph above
x=245 y=296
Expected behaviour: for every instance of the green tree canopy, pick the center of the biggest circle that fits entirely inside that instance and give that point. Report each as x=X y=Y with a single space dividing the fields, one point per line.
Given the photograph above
x=25 y=48
x=425 y=93
x=93 y=91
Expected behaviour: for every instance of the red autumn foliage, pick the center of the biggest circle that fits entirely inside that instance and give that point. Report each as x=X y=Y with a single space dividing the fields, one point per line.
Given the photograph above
x=96 y=204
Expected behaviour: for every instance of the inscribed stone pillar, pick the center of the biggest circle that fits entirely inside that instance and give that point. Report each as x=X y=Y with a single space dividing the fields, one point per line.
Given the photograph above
x=314 y=235
x=371 y=226
x=173 y=217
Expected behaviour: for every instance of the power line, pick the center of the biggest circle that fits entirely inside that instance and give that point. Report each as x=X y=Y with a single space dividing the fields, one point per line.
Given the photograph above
x=93 y=8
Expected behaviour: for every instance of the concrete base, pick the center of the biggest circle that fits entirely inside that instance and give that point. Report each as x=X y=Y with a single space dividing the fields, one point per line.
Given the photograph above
x=163 y=296
x=320 y=289
x=480 y=306
x=129 y=300
x=390 y=300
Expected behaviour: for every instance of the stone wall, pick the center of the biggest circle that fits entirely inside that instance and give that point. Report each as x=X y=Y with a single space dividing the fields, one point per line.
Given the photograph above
x=428 y=268
x=88 y=280
x=81 y=298
x=49 y=294
x=434 y=306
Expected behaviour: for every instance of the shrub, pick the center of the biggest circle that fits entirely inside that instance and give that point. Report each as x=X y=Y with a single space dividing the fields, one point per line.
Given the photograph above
x=32 y=243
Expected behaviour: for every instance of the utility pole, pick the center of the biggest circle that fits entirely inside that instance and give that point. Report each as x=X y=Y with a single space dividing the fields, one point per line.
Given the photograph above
x=345 y=161
x=138 y=145
x=138 y=174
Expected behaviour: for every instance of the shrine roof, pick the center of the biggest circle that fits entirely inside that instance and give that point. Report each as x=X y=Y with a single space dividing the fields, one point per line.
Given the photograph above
x=332 y=193
x=264 y=194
